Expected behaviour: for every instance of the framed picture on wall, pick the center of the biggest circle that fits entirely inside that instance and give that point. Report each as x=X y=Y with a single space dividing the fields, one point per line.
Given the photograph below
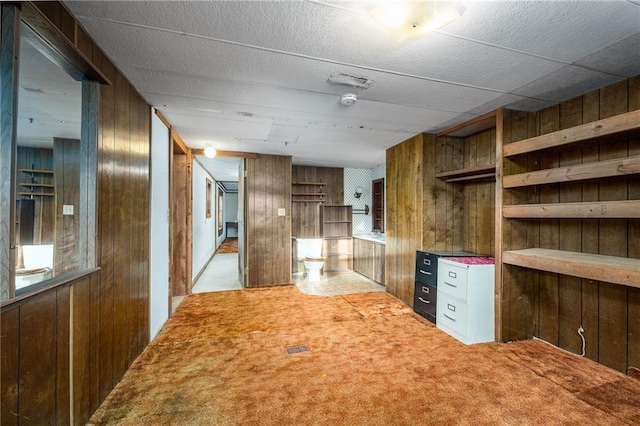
x=220 y=211
x=209 y=197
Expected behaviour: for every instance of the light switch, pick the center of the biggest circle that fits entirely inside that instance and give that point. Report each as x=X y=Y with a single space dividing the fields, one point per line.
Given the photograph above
x=67 y=209
x=282 y=212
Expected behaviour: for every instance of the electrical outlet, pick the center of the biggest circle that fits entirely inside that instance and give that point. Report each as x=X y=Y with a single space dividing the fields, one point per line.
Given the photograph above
x=282 y=212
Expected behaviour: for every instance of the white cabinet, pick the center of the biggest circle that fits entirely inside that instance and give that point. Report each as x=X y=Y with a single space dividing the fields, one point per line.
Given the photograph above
x=465 y=307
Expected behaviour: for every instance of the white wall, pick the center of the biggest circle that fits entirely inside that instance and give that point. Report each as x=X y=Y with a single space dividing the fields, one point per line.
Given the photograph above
x=159 y=289
x=204 y=229
x=230 y=212
x=352 y=179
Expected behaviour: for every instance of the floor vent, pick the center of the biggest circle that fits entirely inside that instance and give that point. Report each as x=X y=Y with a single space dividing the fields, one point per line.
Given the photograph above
x=297 y=349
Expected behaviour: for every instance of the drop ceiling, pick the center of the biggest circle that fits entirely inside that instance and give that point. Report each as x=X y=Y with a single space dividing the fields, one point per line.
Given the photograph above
x=252 y=76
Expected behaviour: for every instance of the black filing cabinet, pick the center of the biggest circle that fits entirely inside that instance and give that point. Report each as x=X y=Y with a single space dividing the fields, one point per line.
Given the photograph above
x=426 y=281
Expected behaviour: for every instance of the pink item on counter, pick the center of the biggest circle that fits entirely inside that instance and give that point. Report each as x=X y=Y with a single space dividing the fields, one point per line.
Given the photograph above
x=473 y=260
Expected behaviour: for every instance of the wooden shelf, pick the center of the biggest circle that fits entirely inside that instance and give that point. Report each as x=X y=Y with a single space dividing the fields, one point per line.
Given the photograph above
x=613 y=126
x=307 y=201
x=37 y=185
x=46 y=194
x=475 y=125
x=611 y=269
x=602 y=169
x=589 y=210
x=304 y=194
x=36 y=171
x=308 y=183
x=469 y=174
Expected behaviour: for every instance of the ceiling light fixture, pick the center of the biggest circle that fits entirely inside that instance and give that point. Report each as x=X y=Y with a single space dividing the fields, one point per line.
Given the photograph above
x=210 y=152
x=406 y=19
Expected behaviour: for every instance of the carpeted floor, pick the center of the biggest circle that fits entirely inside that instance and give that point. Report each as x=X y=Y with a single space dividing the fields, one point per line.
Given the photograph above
x=229 y=245
x=360 y=359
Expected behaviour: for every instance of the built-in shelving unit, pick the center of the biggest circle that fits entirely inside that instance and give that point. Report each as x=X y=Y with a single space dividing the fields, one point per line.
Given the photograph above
x=377 y=212
x=613 y=128
x=610 y=269
x=337 y=232
x=34 y=187
x=307 y=192
x=487 y=172
x=475 y=173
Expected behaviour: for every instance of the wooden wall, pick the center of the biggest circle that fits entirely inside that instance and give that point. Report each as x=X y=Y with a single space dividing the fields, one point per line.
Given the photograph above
x=66 y=160
x=552 y=306
x=407 y=205
x=425 y=213
x=268 y=236
x=44 y=370
x=305 y=217
x=44 y=214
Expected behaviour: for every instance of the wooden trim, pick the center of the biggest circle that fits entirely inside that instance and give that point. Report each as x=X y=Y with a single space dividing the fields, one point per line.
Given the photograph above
x=238 y=154
x=162 y=118
x=9 y=51
x=58 y=281
x=475 y=125
x=615 y=125
x=71 y=59
x=498 y=225
x=602 y=169
x=611 y=269
x=175 y=137
x=593 y=210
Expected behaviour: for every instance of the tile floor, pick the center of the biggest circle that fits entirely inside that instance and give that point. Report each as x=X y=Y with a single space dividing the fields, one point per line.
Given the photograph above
x=221 y=274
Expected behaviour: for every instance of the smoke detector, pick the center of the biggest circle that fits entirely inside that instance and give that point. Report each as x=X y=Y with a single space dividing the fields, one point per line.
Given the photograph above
x=348 y=99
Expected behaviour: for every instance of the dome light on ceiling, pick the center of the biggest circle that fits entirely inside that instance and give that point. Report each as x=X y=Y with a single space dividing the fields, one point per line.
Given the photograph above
x=407 y=19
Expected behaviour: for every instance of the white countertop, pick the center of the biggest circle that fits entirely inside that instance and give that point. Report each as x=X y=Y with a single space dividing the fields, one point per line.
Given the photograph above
x=374 y=238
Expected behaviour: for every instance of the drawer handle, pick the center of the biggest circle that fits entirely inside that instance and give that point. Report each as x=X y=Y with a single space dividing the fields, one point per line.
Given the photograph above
x=451 y=285
x=425 y=289
x=452 y=319
x=426 y=262
x=424 y=272
x=451 y=307
x=424 y=301
x=453 y=274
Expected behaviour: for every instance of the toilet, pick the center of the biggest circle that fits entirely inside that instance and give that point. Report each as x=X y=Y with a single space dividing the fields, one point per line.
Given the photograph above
x=309 y=250
x=38 y=264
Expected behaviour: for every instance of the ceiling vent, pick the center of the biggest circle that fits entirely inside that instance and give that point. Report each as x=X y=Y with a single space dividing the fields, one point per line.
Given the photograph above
x=348 y=99
x=350 y=80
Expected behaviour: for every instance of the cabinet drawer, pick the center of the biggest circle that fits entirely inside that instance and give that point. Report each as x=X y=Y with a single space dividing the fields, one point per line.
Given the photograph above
x=453 y=280
x=452 y=314
x=426 y=267
x=424 y=300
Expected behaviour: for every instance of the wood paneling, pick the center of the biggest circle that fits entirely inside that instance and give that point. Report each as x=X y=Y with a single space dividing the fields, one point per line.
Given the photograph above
x=426 y=213
x=44 y=208
x=305 y=217
x=87 y=332
x=66 y=159
x=180 y=275
x=409 y=206
x=268 y=188
x=560 y=304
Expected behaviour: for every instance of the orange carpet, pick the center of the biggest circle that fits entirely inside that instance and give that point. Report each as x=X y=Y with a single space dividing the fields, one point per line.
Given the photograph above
x=274 y=356
x=229 y=245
